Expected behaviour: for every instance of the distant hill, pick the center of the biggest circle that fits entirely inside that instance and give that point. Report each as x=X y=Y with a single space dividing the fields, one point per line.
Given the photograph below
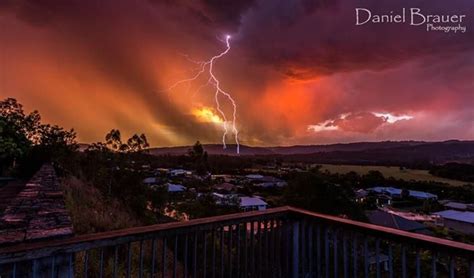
x=362 y=152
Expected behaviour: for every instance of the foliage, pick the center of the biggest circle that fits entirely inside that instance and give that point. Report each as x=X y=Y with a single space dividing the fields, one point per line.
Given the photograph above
x=459 y=171
x=136 y=143
x=199 y=158
x=314 y=191
x=25 y=139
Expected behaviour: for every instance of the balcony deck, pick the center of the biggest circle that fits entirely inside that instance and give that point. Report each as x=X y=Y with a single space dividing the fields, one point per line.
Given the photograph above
x=279 y=242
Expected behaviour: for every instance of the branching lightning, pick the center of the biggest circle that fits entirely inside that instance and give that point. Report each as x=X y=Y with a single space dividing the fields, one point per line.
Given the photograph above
x=207 y=67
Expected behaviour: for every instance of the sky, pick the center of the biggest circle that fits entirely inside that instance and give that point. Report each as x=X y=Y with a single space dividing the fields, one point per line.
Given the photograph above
x=300 y=71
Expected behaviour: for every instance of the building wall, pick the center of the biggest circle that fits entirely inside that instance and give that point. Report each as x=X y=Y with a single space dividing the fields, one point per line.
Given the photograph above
x=463 y=227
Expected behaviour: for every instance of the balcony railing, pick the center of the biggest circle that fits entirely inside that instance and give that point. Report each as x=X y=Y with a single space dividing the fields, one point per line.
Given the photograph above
x=279 y=242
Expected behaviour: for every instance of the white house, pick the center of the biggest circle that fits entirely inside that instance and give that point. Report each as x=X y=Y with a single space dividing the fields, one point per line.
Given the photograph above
x=252 y=203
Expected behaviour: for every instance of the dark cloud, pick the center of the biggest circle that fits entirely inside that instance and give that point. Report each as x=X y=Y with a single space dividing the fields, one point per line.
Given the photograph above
x=304 y=45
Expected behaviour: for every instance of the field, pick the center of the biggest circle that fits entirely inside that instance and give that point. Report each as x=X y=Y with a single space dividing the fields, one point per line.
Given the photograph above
x=395 y=172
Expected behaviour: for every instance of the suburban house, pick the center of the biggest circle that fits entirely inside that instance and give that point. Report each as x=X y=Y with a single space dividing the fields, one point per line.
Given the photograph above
x=458 y=206
x=386 y=219
x=269 y=182
x=393 y=192
x=252 y=203
x=225 y=186
x=460 y=221
x=174 y=188
x=151 y=181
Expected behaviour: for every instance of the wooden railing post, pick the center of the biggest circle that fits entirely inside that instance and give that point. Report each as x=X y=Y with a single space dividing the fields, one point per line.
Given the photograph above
x=296 y=249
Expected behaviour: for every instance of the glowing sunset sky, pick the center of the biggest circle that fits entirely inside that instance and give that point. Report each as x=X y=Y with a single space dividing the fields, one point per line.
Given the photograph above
x=300 y=71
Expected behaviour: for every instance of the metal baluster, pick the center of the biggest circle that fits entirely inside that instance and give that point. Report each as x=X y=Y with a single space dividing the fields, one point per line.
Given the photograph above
x=204 y=260
x=433 y=265
x=115 y=260
x=175 y=256
x=287 y=247
x=390 y=261
x=14 y=270
x=222 y=251
x=53 y=259
x=245 y=249
x=451 y=267
x=238 y=249
x=259 y=249
x=129 y=260
x=140 y=271
x=334 y=239
x=185 y=258
x=252 y=249
x=153 y=257
x=302 y=249
x=377 y=256
x=229 y=248
x=344 y=254
x=86 y=263
x=163 y=262
x=318 y=251
x=326 y=252
x=295 y=253
x=366 y=257
x=280 y=248
x=267 y=249
x=418 y=264
x=275 y=251
x=354 y=255
x=471 y=268
x=214 y=246
x=101 y=263
x=404 y=262
x=35 y=268
x=195 y=246
x=310 y=247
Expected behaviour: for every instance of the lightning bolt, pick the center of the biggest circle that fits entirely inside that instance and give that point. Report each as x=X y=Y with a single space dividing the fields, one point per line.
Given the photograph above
x=207 y=67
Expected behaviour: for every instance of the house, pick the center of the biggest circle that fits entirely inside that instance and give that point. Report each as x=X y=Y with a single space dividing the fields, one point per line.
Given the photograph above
x=460 y=221
x=178 y=172
x=254 y=177
x=151 y=181
x=175 y=188
x=269 y=181
x=458 y=206
x=397 y=193
x=360 y=195
x=383 y=218
x=225 y=199
x=225 y=186
x=252 y=203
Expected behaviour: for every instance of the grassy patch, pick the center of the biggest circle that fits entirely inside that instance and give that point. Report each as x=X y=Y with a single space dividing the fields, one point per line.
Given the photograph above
x=91 y=212
x=392 y=171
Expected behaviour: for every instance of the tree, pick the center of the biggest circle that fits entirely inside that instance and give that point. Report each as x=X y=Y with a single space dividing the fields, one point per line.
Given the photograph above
x=137 y=143
x=13 y=144
x=199 y=158
x=113 y=139
x=313 y=191
x=24 y=137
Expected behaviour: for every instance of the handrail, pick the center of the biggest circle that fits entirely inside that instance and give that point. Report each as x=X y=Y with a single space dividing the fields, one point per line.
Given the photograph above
x=78 y=243
x=26 y=251
x=392 y=234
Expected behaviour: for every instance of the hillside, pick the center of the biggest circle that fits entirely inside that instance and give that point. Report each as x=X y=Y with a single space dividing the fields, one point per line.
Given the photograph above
x=359 y=153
